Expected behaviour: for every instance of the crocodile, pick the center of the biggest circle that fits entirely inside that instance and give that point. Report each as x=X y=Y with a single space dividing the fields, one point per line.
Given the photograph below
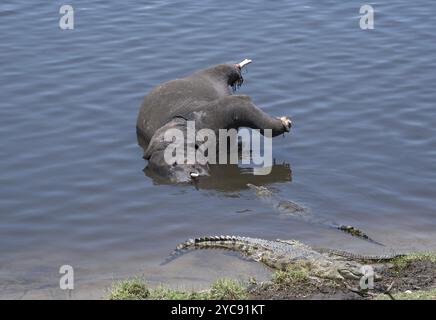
x=281 y=254
x=295 y=210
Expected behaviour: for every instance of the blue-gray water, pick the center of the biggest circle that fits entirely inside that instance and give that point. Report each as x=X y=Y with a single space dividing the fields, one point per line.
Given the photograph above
x=72 y=189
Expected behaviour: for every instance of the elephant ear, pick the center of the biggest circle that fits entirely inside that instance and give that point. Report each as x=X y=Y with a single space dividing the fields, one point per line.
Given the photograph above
x=149 y=151
x=157 y=141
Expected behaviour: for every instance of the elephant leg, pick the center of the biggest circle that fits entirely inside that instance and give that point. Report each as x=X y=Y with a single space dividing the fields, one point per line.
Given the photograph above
x=239 y=111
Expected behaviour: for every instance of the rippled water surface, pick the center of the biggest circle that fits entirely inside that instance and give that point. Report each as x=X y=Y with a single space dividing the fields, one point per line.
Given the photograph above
x=72 y=186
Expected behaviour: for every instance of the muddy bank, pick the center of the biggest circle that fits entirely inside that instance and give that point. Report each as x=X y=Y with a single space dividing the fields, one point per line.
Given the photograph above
x=408 y=277
x=412 y=277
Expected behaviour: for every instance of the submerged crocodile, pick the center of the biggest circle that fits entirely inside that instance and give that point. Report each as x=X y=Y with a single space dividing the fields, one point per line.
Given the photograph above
x=281 y=254
x=295 y=210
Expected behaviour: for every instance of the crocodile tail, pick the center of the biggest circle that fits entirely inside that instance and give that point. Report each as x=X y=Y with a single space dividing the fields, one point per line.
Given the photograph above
x=180 y=250
x=223 y=242
x=356 y=233
x=232 y=243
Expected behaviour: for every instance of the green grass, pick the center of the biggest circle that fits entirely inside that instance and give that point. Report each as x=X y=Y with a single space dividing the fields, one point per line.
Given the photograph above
x=290 y=277
x=137 y=289
x=401 y=263
x=414 y=295
x=163 y=293
x=227 y=289
x=132 y=289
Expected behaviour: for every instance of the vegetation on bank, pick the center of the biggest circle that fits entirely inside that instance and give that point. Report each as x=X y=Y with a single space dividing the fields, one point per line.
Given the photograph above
x=404 y=262
x=290 y=277
x=296 y=283
x=137 y=289
x=131 y=289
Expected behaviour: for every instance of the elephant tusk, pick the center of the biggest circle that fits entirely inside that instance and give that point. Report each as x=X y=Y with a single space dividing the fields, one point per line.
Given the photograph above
x=194 y=174
x=244 y=63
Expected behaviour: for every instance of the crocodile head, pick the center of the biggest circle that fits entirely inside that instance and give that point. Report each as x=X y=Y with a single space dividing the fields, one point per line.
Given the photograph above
x=323 y=266
x=260 y=190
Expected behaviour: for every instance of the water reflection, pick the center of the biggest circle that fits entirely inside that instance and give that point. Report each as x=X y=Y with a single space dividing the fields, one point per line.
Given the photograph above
x=227 y=178
x=230 y=178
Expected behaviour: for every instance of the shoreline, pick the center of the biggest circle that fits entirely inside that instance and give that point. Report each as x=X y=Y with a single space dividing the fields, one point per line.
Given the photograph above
x=409 y=277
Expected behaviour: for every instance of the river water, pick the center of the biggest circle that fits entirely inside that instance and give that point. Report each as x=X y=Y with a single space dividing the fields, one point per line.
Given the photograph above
x=72 y=187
